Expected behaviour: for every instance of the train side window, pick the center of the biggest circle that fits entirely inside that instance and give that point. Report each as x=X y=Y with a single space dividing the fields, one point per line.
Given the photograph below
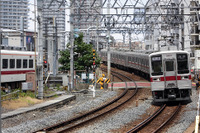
x=24 y=63
x=5 y=63
x=156 y=62
x=147 y=63
x=30 y=63
x=12 y=63
x=19 y=63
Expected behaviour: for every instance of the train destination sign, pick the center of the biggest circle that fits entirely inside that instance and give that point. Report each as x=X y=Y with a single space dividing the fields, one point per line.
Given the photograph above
x=181 y=56
x=156 y=58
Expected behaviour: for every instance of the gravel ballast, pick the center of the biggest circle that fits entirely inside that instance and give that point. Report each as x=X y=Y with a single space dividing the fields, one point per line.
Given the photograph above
x=83 y=103
x=187 y=117
x=115 y=121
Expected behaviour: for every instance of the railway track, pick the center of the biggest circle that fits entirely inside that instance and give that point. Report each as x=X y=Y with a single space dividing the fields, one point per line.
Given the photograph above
x=87 y=117
x=157 y=120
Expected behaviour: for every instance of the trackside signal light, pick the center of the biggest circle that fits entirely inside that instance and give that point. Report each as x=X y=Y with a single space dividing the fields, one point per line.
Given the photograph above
x=93 y=52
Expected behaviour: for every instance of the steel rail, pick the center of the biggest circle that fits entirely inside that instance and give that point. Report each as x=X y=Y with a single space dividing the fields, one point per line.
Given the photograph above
x=101 y=114
x=149 y=119
x=56 y=126
x=169 y=119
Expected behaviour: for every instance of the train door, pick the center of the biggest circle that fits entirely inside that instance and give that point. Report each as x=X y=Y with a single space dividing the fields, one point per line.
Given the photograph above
x=170 y=77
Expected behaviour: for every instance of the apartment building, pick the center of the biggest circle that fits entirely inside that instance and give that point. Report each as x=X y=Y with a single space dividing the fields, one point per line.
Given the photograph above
x=12 y=12
x=171 y=31
x=195 y=30
x=54 y=11
x=85 y=17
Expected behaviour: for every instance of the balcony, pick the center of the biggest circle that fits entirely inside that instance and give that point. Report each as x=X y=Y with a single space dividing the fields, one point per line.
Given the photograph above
x=194 y=31
x=195 y=44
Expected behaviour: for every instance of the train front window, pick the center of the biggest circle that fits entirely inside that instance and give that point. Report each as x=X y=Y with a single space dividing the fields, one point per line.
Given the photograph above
x=182 y=61
x=156 y=62
x=169 y=65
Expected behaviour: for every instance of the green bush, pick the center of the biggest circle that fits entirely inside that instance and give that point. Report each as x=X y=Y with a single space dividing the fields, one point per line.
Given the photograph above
x=2 y=93
x=27 y=93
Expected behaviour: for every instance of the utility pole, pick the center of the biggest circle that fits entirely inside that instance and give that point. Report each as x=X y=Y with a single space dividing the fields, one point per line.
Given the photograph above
x=0 y=37
x=124 y=35
x=97 y=34
x=0 y=76
x=54 y=47
x=22 y=30
x=35 y=46
x=72 y=46
x=88 y=36
x=129 y=32
x=46 y=66
x=40 y=55
x=108 y=42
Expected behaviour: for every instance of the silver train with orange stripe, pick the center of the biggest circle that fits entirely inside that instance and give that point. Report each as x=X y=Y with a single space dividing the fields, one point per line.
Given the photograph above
x=14 y=67
x=168 y=71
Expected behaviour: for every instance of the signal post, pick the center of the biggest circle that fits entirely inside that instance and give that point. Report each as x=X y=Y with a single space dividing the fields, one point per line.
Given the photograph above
x=94 y=66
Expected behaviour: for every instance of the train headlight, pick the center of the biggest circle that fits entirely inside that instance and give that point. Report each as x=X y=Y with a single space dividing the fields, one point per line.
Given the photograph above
x=184 y=77
x=156 y=79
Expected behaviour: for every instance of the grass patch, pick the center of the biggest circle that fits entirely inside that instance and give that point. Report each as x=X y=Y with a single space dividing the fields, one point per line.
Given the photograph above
x=21 y=102
x=27 y=94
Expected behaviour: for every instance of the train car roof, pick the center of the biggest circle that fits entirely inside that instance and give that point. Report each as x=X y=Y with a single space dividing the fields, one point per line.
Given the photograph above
x=137 y=53
x=17 y=52
x=167 y=52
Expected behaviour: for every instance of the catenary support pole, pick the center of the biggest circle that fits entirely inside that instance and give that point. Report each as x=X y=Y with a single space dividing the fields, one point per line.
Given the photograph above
x=108 y=41
x=129 y=39
x=124 y=37
x=35 y=47
x=72 y=47
x=40 y=56
x=22 y=31
x=54 y=47
x=97 y=35
x=0 y=75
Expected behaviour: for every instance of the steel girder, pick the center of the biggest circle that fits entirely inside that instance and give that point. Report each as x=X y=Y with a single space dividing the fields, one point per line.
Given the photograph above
x=139 y=15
